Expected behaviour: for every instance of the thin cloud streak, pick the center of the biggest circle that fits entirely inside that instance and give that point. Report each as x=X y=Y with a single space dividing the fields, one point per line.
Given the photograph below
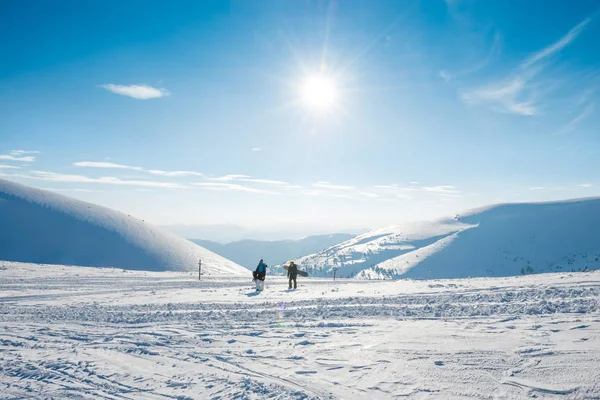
x=103 y=164
x=571 y=125
x=23 y=152
x=8 y=157
x=218 y=186
x=327 y=185
x=557 y=46
x=109 y=180
x=139 y=92
x=514 y=94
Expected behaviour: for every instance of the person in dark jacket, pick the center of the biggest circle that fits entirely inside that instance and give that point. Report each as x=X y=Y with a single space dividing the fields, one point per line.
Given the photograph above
x=292 y=274
x=259 y=275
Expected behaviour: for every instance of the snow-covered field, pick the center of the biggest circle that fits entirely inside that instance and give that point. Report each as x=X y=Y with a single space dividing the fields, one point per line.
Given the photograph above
x=68 y=332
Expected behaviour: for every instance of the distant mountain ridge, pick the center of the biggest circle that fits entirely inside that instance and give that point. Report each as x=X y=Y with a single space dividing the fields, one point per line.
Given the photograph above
x=248 y=252
x=44 y=227
x=499 y=240
x=228 y=233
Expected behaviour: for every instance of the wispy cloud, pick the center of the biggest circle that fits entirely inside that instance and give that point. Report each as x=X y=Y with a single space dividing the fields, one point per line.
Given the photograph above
x=256 y=149
x=229 y=178
x=23 y=152
x=504 y=97
x=4 y=166
x=586 y=185
x=555 y=47
x=19 y=155
x=315 y=193
x=140 y=92
x=368 y=195
x=491 y=55
x=516 y=94
x=265 y=181
x=327 y=185
x=174 y=173
x=103 y=164
x=109 y=180
x=572 y=124
x=219 y=186
x=440 y=189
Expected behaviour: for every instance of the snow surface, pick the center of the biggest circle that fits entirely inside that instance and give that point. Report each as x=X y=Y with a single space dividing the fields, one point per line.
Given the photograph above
x=44 y=227
x=500 y=240
x=77 y=333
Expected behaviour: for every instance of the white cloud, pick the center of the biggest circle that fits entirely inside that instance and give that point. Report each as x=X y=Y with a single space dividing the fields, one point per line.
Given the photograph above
x=265 y=181
x=516 y=94
x=140 y=92
x=8 y=157
x=311 y=192
x=174 y=173
x=256 y=149
x=440 y=189
x=230 y=186
x=55 y=177
x=368 y=195
x=537 y=188
x=444 y=75
x=229 y=178
x=557 y=46
x=102 y=164
x=4 y=166
x=504 y=97
x=327 y=185
x=586 y=185
x=22 y=152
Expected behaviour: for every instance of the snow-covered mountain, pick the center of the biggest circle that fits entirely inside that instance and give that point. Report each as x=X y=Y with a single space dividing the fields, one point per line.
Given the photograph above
x=44 y=227
x=499 y=240
x=248 y=252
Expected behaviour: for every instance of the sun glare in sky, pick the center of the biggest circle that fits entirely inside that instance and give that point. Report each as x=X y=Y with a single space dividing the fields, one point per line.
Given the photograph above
x=319 y=92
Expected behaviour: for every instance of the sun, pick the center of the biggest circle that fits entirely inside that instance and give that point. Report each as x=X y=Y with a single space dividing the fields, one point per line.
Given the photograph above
x=319 y=92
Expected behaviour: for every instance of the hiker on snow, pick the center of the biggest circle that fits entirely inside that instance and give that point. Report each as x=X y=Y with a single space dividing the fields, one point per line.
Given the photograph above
x=292 y=274
x=259 y=275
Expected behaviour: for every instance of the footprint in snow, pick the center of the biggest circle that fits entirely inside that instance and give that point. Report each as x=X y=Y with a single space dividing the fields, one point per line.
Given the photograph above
x=305 y=372
x=439 y=363
x=304 y=343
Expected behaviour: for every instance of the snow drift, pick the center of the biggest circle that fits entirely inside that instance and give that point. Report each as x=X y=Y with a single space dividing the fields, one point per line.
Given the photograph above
x=499 y=240
x=43 y=227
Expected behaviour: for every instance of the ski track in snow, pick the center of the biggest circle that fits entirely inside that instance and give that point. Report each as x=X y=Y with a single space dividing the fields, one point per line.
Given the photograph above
x=79 y=333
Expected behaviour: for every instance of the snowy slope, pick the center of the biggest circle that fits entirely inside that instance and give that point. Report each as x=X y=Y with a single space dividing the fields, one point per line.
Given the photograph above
x=44 y=227
x=500 y=240
x=89 y=333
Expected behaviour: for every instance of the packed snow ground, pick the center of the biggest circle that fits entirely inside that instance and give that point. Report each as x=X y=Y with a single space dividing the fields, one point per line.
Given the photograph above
x=68 y=332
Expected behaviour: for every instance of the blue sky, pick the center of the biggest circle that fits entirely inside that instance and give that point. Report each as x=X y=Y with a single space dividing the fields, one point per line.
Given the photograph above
x=197 y=112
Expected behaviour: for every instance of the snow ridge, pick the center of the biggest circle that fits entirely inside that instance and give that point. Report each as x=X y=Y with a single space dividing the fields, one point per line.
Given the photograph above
x=48 y=228
x=498 y=240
